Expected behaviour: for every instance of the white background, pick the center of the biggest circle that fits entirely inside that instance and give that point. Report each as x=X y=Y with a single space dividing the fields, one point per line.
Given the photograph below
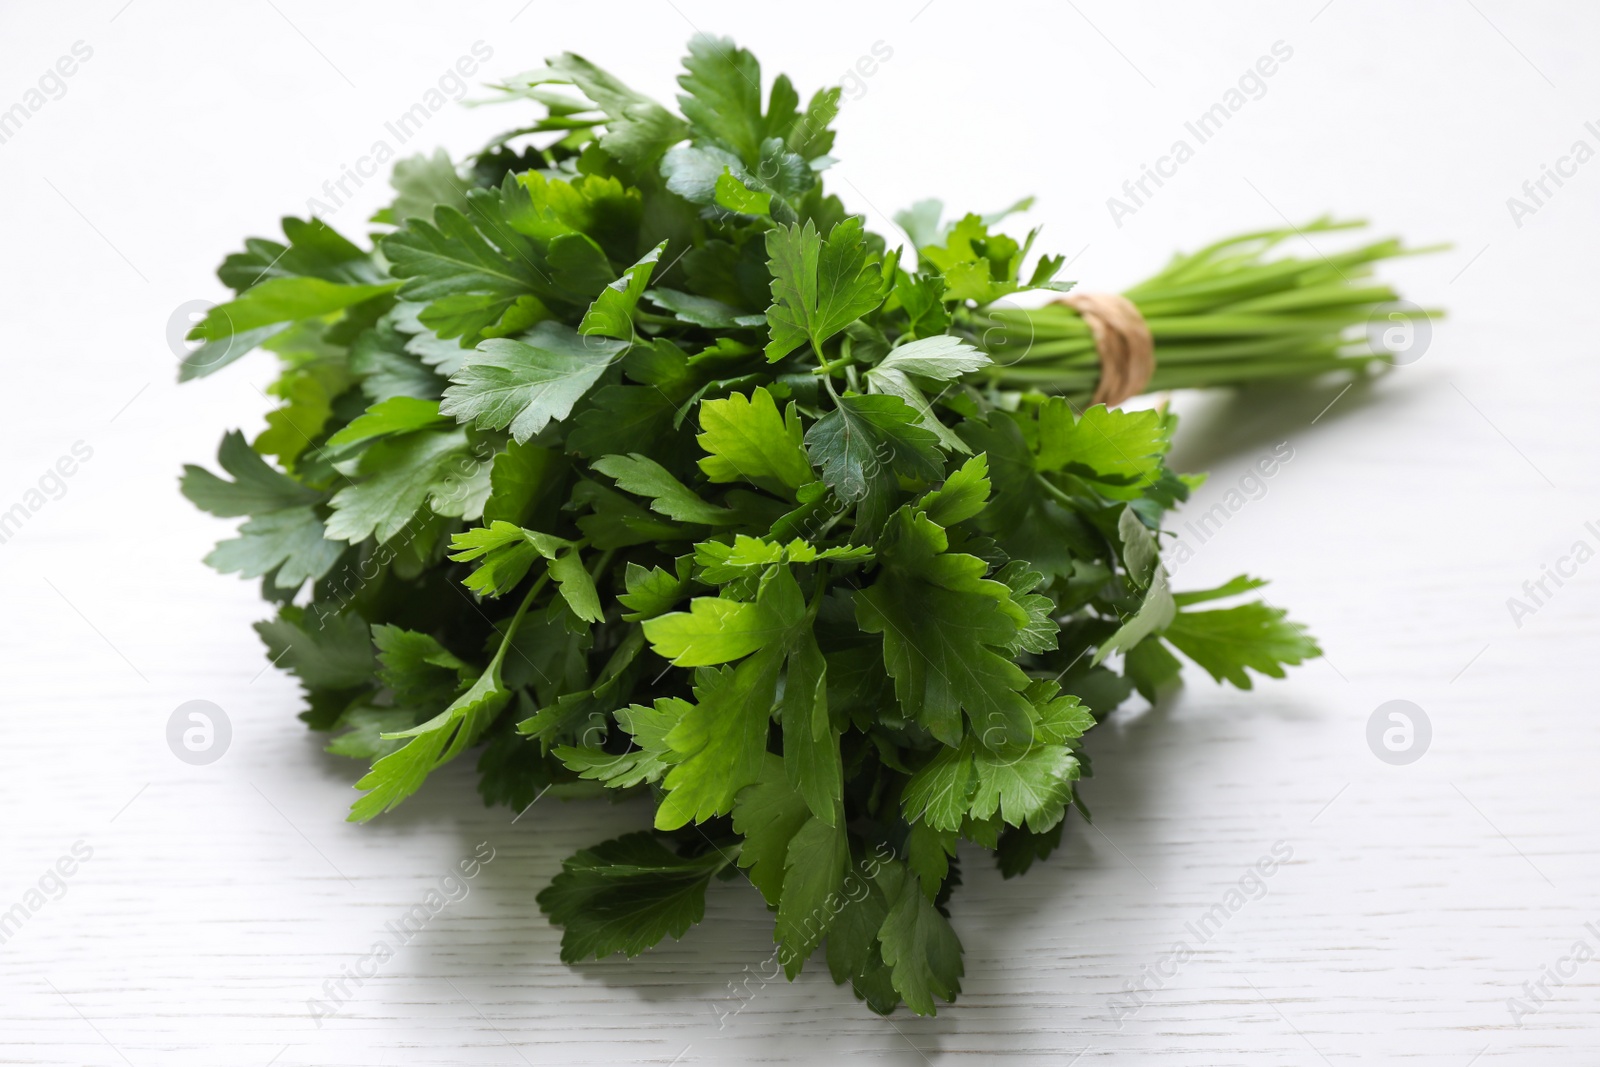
x=1419 y=899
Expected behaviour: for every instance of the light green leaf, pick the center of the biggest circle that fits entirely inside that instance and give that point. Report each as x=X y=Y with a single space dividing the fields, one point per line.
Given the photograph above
x=396 y=415
x=1156 y=612
x=938 y=358
x=719 y=743
x=611 y=314
x=653 y=591
x=721 y=95
x=398 y=476
x=637 y=129
x=646 y=762
x=432 y=744
x=506 y=552
x=525 y=384
x=577 y=587
x=289 y=541
x=256 y=487
x=818 y=286
x=1033 y=788
x=721 y=563
x=718 y=630
x=1121 y=448
x=962 y=496
x=749 y=441
x=735 y=195
x=1226 y=641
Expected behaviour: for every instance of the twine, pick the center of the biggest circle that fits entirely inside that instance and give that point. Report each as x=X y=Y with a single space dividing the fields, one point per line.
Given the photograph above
x=1122 y=340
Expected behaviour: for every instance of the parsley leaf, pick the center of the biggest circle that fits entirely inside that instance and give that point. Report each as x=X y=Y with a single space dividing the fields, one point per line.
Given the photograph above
x=954 y=667
x=256 y=486
x=818 y=286
x=523 y=384
x=1226 y=641
x=749 y=441
x=611 y=314
x=626 y=895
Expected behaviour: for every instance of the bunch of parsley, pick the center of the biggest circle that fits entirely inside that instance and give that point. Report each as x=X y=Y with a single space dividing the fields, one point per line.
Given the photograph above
x=633 y=462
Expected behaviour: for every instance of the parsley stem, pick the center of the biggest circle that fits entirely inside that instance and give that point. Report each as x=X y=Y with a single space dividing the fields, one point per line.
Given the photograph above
x=820 y=592
x=516 y=620
x=1232 y=313
x=1056 y=492
x=826 y=367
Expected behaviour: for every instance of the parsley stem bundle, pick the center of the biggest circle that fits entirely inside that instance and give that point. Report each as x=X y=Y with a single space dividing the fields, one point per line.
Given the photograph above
x=793 y=557
x=1226 y=315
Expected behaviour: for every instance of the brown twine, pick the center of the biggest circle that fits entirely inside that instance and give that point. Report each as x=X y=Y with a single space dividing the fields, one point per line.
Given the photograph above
x=1122 y=340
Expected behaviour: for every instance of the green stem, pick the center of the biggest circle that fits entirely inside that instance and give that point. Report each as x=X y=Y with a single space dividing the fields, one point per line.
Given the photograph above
x=824 y=367
x=828 y=381
x=1060 y=495
x=1226 y=315
x=516 y=620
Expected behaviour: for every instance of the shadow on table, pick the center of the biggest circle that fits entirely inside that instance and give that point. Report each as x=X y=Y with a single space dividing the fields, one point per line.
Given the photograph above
x=1226 y=423
x=497 y=950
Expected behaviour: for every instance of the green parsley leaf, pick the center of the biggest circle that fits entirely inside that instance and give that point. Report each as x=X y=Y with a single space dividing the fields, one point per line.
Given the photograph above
x=1226 y=641
x=643 y=476
x=287 y=544
x=1119 y=448
x=722 y=95
x=749 y=441
x=611 y=314
x=256 y=487
x=818 y=286
x=638 y=129
x=718 y=745
x=398 y=476
x=922 y=950
x=863 y=443
x=645 y=762
x=627 y=895
x=522 y=385
x=941 y=671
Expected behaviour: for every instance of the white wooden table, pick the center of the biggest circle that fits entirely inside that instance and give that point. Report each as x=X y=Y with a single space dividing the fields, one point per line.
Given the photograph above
x=1416 y=901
